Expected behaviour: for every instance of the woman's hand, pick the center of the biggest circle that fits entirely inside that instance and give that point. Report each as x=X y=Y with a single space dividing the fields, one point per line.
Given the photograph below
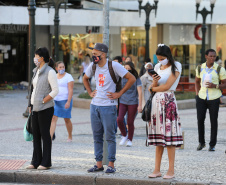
x=139 y=108
x=156 y=78
x=29 y=110
x=67 y=105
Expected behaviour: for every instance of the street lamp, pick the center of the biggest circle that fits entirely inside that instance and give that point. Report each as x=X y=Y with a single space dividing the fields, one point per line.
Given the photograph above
x=204 y=12
x=147 y=8
x=32 y=43
x=56 y=4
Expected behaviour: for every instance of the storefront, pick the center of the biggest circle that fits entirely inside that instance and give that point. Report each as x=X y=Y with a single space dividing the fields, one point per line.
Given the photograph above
x=13 y=53
x=133 y=42
x=185 y=42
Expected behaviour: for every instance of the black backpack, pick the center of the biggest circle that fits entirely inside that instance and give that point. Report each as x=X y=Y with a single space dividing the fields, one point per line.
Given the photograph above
x=112 y=73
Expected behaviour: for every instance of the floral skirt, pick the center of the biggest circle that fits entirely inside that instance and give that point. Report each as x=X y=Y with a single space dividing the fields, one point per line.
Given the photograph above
x=164 y=128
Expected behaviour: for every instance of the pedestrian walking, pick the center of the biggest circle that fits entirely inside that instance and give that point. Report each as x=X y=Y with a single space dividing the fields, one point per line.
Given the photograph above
x=146 y=80
x=85 y=65
x=130 y=101
x=43 y=89
x=118 y=59
x=103 y=106
x=63 y=101
x=165 y=127
x=208 y=93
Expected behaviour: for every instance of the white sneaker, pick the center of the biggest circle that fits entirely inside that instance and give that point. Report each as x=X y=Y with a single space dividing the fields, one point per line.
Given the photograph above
x=123 y=140
x=129 y=143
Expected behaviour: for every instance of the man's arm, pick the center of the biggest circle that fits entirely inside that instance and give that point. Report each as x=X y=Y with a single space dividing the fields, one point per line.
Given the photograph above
x=197 y=85
x=131 y=80
x=87 y=86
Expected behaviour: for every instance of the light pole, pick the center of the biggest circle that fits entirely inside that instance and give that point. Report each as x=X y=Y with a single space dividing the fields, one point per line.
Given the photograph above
x=32 y=43
x=56 y=4
x=147 y=8
x=204 y=12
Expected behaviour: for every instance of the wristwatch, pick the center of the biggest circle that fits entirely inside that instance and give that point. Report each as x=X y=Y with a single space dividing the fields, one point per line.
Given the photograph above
x=217 y=86
x=43 y=102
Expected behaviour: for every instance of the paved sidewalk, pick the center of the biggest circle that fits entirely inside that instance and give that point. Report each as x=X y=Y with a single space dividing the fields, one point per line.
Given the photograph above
x=133 y=163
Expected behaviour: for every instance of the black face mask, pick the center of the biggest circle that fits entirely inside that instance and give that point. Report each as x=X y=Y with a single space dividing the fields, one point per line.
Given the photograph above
x=96 y=59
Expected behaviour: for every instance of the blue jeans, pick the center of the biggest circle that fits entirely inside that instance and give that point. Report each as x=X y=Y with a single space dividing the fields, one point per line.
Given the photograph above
x=103 y=120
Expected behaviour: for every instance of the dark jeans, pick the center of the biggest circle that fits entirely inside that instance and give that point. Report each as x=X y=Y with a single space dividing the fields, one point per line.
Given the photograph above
x=41 y=122
x=202 y=106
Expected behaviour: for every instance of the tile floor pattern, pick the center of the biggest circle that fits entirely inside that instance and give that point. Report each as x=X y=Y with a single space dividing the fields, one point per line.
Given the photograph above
x=11 y=164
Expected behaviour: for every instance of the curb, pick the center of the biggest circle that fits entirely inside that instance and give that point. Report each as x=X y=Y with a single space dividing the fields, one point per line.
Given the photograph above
x=95 y=179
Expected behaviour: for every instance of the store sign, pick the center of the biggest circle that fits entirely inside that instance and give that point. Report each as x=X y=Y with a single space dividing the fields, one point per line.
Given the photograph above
x=12 y=28
x=93 y=29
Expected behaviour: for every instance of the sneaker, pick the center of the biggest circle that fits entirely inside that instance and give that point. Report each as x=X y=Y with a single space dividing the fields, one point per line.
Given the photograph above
x=123 y=140
x=129 y=143
x=95 y=169
x=110 y=170
x=201 y=146
x=212 y=148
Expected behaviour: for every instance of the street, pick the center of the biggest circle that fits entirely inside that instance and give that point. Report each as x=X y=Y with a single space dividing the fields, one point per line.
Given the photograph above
x=131 y=162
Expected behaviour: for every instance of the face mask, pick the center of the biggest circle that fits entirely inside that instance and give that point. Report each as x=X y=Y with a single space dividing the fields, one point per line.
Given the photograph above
x=149 y=70
x=130 y=71
x=61 y=71
x=37 y=63
x=96 y=59
x=164 y=62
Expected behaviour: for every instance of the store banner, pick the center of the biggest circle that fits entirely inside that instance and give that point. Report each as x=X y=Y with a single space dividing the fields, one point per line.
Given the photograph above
x=186 y=34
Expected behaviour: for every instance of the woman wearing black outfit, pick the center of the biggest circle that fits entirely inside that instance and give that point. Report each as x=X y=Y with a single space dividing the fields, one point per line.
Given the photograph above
x=43 y=89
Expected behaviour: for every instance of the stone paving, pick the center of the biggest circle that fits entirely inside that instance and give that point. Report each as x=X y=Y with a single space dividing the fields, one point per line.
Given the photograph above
x=135 y=162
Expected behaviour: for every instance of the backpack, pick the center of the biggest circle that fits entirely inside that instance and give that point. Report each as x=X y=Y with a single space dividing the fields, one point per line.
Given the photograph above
x=112 y=73
x=218 y=70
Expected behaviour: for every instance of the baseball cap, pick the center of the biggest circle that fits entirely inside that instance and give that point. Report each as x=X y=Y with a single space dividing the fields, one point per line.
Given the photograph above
x=100 y=47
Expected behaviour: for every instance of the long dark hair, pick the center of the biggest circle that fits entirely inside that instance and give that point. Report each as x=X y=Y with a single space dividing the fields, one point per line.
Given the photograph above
x=43 y=52
x=165 y=51
x=133 y=70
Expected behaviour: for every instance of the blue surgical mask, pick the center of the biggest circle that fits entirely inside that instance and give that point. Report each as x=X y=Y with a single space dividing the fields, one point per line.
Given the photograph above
x=164 y=62
x=61 y=71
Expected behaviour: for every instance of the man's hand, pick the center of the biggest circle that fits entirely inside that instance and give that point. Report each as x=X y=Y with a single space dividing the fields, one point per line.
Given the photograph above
x=93 y=94
x=210 y=85
x=113 y=96
x=67 y=105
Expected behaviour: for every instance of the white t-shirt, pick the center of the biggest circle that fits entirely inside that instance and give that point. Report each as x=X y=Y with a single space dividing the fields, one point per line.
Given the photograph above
x=63 y=87
x=104 y=82
x=164 y=74
x=85 y=66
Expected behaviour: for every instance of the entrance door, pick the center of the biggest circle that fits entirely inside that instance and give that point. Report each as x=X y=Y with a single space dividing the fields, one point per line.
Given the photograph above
x=13 y=57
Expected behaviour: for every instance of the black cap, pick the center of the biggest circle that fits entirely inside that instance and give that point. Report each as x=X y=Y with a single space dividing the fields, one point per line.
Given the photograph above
x=100 y=47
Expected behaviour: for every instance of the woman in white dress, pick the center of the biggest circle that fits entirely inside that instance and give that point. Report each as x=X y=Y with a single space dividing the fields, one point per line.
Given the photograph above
x=165 y=127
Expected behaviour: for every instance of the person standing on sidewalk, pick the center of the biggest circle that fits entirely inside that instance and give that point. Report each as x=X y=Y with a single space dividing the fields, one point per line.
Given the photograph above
x=85 y=65
x=63 y=101
x=208 y=93
x=103 y=106
x=130 y=101
x=43 y=89
x=165 y=127
x=146 y=80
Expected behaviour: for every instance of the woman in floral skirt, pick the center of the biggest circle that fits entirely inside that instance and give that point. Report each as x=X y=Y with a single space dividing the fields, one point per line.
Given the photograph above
x=165 y=128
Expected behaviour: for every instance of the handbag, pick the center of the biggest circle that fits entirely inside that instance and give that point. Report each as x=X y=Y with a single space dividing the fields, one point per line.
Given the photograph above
x=146 y=112
x=29 y=125
x=27 y=136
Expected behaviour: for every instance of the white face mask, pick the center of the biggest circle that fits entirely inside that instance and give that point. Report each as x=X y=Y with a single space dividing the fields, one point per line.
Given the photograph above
x=164 y=62
x=37 y=63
